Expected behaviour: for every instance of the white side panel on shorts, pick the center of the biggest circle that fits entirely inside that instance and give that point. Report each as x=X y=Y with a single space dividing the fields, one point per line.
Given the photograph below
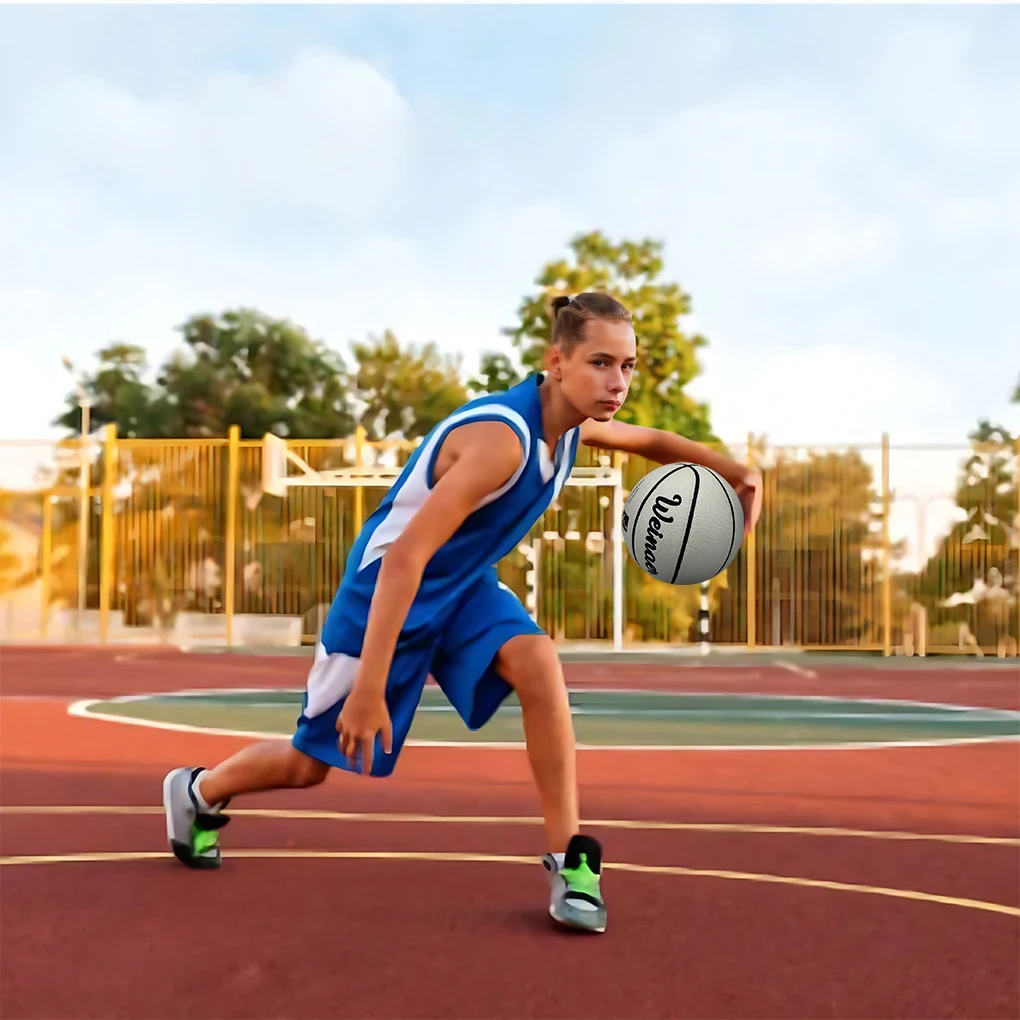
x=330 y=679
x=413 y=493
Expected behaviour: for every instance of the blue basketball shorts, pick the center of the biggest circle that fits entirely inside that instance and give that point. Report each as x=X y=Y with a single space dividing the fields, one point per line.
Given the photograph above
x=460 y=658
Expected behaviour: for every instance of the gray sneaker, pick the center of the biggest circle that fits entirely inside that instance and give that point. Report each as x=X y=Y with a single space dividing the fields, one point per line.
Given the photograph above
x=576 y=900
x=193 y=834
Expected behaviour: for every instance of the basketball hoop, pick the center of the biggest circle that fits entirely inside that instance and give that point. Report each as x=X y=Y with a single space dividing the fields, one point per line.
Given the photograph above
x=276 y=478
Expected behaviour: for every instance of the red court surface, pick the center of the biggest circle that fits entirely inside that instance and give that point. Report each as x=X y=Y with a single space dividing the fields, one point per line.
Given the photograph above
x=730 y=895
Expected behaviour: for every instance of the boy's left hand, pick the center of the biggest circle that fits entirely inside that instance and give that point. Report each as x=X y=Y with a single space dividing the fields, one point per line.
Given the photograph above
x=750 y=491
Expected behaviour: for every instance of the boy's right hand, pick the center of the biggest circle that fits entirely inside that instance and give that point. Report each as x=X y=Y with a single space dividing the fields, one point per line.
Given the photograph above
x=363 y=716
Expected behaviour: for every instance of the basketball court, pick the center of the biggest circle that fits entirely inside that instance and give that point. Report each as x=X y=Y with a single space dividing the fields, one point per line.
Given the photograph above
x=748 y=873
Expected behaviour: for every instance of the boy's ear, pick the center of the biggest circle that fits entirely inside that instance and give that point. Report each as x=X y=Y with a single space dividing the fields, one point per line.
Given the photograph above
x=554 y=361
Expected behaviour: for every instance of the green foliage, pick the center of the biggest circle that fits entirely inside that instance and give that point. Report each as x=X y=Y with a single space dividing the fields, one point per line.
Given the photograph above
x=118 y=394
x=263 y=374
x=239 y=368
x=817 y=543
x=406 y=390
x=667 y=355
x=982 y=540
x=13 y=569
x=495 y=375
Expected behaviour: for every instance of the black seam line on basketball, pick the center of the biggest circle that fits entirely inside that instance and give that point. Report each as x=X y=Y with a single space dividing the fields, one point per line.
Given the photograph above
x=733 y=518
x=651 y=491
x=690 y=521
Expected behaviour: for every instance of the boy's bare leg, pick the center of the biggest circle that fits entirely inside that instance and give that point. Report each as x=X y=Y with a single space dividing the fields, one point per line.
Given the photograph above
x=192 y=798
x=531 y=665
x=268 y=765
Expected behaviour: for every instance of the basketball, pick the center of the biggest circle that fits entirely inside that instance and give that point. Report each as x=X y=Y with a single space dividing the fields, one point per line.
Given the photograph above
x=683 y=523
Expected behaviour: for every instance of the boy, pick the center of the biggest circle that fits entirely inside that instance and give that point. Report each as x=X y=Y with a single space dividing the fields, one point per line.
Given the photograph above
x=420 y=596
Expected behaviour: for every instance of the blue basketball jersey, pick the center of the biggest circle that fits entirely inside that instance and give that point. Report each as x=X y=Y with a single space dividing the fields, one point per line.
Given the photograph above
x=492 y=531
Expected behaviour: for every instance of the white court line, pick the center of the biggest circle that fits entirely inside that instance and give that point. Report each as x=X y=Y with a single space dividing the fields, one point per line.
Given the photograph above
x=82 y=710
x=185 y=693
x=205 y=692
x=981 y=715
x=799 y=670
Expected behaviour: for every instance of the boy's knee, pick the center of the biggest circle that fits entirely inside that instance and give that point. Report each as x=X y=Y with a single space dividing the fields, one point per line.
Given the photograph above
x=531 y=666
x=306 y=771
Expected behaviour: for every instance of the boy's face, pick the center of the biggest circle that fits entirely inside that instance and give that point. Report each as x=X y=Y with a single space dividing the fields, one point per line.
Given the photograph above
x=595 y=374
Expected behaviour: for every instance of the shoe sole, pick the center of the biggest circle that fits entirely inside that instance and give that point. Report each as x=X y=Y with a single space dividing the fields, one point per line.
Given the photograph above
x=573 y=925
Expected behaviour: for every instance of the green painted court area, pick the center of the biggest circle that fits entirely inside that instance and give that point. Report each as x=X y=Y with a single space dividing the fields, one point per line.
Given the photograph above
x=611 y=718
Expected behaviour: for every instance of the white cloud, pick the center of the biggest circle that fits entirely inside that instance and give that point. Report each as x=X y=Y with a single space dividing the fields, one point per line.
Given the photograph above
x=324 y=132
x=838 y=391
x=122 y=214
x=783 y=209
x=805 y=244
x=754 y=183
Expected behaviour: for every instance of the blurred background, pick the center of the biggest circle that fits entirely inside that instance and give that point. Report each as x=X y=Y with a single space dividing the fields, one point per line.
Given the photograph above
x=338 y=224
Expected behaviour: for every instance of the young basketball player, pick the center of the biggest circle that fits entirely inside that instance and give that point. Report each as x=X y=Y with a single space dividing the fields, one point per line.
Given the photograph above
x=420 y=596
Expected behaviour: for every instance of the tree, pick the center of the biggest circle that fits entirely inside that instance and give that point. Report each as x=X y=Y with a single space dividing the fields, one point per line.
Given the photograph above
x=981 y=547
x=495 y=375
x=667 y=355
x=405 y=390
x=263 y=374
x=238 y=368
x=667 y=361
x=817 y=542
x=117 y=393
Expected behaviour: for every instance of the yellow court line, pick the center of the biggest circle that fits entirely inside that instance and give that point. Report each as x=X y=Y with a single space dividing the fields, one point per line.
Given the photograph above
x=434 y=856
x=602 y=823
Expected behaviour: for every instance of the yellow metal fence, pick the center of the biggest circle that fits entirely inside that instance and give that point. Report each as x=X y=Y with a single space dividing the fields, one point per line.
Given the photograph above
x=840 y=559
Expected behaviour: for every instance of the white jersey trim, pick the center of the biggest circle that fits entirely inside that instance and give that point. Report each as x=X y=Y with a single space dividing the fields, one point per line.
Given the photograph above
x=415 y=490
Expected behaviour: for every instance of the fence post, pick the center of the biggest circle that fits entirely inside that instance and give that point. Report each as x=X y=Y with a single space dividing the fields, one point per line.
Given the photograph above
x=886 y=579
x=751 y=598
x=46 y=584
x=230 y=553
x=1016 y=542
x=617 y=551
x=106 y=531
x=359 y=490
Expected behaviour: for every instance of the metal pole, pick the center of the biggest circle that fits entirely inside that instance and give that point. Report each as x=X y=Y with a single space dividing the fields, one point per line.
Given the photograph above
x=886 y=579
x=359 y=491
x=751 y=589
x=233 y=471
x=703 y=618
x=47 y=562
x=83 y=511
x=1016 y=542
x=106 y=531
x=617 y=556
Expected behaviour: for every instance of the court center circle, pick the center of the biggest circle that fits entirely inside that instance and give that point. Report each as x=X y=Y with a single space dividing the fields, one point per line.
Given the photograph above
x=607 y=719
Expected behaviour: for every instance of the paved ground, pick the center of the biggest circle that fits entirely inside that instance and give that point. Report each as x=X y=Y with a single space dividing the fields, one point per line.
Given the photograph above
x=874 y=882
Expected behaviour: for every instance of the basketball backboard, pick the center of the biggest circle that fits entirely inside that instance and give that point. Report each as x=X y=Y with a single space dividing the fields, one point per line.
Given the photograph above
x=277 y=478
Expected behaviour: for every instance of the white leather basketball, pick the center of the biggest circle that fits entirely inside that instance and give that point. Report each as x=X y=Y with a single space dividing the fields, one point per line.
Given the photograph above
x=683 y=523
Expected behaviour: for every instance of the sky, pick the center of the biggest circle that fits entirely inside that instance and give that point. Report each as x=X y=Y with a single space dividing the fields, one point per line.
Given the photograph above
x=838 y=189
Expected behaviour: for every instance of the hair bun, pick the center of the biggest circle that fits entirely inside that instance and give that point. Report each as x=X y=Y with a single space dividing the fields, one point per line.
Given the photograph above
x=559 y=303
